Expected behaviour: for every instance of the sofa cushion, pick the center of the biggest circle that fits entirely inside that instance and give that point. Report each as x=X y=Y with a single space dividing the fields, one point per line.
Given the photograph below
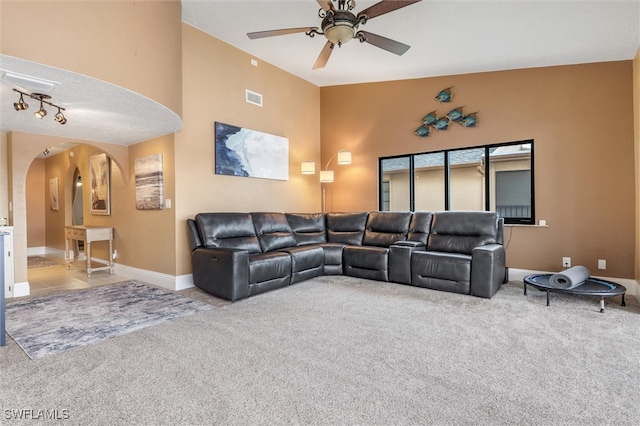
x=228 y=230
x=269 y=266
x=420 y=227
x=273 y=231
x=461 y=231
x=441 y=271
x=346 y=228
x=307 y=228
x=366 y=262
x=385 y=228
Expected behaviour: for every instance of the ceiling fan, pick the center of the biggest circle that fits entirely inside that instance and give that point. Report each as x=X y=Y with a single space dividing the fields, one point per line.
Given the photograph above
x=340 y=24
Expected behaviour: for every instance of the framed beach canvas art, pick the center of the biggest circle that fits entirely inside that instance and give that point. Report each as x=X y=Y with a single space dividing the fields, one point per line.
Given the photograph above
x=249 y=153
x=99 y=171
x=149 y=182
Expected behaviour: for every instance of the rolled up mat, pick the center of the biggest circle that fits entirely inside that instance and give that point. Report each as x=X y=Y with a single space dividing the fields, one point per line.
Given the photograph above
x=570 y=278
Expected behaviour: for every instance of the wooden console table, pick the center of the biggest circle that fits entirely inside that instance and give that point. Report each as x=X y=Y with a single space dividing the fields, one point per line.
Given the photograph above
x=88 y=234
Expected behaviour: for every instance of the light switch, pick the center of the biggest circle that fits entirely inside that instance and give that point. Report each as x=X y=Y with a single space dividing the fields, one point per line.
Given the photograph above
x=167 y=203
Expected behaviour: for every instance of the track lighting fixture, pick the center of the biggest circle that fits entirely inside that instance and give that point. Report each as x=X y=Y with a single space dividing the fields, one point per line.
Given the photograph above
x=21 y=105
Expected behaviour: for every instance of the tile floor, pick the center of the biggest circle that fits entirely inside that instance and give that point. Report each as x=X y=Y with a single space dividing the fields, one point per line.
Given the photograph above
x=66 y=276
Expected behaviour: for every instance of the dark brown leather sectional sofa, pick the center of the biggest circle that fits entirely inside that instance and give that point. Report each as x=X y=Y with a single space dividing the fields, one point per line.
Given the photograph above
x=237 y=255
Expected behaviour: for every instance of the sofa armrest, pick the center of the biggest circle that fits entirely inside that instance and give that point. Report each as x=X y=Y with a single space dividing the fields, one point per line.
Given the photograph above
x=221 y=272
x=407 y=243
x=487 y=269
x=400 y=260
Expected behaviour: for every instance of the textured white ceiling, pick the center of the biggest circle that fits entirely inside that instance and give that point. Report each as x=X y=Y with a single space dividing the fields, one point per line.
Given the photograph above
x=447 y=37
x=95 y=110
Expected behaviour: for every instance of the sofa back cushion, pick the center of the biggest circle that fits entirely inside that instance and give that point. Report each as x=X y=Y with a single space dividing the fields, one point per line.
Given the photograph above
x=346 y=228
x=308 y=228
x=385 y=228
x=273 y=231
x=228 y=230
x=420 y=227
x=461 y=231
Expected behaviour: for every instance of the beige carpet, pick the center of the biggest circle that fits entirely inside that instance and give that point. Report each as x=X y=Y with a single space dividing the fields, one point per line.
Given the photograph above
x=340 y=350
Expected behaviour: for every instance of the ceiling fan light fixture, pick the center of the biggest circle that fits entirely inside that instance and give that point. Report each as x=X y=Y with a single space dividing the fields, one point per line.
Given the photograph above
x=339 y=26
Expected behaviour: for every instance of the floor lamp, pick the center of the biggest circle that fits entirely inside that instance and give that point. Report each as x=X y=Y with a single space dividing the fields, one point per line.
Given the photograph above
x=326 y=175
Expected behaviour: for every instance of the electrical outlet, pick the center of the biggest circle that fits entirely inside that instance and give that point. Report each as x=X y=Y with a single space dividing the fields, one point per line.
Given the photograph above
x=115 y=254
x=602 y=264
x=566 y=262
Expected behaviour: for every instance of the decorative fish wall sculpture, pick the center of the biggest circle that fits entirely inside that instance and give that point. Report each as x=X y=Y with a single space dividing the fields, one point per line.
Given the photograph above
x=441 y=124
x=422 y=131
x=444 y=95
x=469 y=120
x=456 y=115
x=430 y=118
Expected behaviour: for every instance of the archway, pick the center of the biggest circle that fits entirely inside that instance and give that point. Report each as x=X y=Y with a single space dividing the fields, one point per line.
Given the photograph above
x=23 y=149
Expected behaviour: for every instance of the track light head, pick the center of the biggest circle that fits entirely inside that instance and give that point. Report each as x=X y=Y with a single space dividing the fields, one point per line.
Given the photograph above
x=60 y=118
x=41 y=112
x=21 y=105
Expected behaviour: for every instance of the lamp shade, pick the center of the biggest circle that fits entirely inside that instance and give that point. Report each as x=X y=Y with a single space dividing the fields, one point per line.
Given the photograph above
x=308 y=168
x=344 y=157
x=326 y=176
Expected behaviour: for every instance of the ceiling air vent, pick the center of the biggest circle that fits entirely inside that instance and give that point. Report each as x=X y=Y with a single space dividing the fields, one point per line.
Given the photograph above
x=253 y=97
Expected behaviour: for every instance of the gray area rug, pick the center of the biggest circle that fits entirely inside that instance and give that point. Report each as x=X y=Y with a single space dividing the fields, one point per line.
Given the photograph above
x=346 y=351
x=51 y=324
x=39 y=262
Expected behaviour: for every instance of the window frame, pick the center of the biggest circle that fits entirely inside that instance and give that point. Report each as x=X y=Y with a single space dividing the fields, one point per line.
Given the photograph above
x=531 y=220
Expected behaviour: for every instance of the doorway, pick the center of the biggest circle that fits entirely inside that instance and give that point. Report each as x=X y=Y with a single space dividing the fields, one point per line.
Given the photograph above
x=77 y=207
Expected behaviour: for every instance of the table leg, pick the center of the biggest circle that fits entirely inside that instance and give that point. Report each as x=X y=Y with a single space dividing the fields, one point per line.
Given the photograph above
x=623 y=303
x=547 y=297
x=111 y=256
x=88 y=250
x=525 y=288
x=66 y=249
x=602 y=305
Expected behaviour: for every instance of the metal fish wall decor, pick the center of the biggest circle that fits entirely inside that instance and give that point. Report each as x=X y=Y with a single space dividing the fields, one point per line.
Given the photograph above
x=444 y=95
x=456 y=115
x=422 y=131
x=469 y=120
x=430 y=118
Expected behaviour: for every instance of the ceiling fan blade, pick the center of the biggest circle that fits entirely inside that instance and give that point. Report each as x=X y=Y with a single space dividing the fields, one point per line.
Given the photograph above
x=273 y=33
x=385 y=6
x=326 y=5
x=385 y=43
x=324 y=56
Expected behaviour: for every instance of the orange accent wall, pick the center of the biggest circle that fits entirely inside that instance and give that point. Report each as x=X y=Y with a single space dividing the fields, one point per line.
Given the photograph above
x=216 y=76
x=581 y=118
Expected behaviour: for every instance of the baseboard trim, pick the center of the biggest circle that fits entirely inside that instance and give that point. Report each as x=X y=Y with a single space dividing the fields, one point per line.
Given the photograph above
x=184 y=281
x=36 y=251
x=21 y=289
x=632 y=286
x=166 y=281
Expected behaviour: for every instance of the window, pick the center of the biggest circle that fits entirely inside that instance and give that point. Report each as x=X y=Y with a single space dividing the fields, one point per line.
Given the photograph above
x=495 y=177
x=395 y=172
